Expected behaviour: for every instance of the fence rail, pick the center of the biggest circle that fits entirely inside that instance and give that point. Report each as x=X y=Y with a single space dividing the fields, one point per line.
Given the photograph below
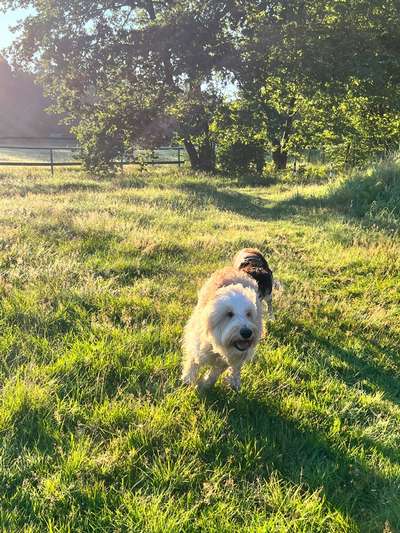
x=46 y=155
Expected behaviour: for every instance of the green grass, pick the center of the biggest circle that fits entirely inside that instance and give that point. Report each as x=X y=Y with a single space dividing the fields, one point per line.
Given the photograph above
x=97 y=279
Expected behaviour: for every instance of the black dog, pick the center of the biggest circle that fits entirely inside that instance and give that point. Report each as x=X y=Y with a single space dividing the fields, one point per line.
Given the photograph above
x=252 y=261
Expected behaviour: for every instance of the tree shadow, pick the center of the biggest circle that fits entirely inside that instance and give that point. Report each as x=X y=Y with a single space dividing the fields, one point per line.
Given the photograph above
x=302 y=455
x=249 y=205
x=309 y=207
x=237 y=202
x=251 y=180
x=23 y=189
x=358 y=367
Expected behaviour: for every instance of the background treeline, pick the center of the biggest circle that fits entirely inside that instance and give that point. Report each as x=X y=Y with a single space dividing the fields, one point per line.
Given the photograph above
x=22 y=106
x=255 y=78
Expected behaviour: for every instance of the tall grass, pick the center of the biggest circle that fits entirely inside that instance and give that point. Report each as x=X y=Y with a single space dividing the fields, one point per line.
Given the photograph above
x=373 y=193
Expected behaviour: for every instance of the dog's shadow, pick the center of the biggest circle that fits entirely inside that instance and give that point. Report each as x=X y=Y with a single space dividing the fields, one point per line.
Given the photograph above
x=260 y=440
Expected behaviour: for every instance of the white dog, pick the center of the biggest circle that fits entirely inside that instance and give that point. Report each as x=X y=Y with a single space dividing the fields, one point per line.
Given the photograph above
x=223 y=329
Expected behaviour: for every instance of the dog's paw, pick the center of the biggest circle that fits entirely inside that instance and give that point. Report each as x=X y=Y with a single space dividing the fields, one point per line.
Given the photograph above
x=203 y=386
x=233 y=381
x=188 y=380
x=190 y=374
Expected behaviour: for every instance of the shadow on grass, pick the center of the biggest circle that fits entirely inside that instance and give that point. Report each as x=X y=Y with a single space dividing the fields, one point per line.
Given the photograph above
x=237 y=202
x=252 y=180
x=339 y=201
x=361 y=365
x=51 y=189
x=302 y=455
x=249 y=205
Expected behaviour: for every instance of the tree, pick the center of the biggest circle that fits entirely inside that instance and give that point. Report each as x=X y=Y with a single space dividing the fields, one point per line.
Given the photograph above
x=294 y=53
x=135 y=71
x=130 y=71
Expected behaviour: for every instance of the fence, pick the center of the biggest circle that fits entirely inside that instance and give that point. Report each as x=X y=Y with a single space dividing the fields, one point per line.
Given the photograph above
x=59 y=154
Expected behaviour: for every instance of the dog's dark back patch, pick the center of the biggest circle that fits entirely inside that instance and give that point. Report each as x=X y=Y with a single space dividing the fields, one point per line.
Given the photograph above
x=263 y=277
x=255 y=260
x=252 y=261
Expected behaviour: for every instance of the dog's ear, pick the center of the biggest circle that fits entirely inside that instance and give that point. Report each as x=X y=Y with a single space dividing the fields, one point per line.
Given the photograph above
x=263 y=277
x=210 y=318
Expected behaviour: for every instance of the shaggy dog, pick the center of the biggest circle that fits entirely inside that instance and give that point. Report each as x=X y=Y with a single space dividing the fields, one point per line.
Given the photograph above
x=252 y=262
x=224 y=328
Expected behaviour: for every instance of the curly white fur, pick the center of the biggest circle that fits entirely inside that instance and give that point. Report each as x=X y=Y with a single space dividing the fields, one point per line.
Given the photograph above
x=223 y=330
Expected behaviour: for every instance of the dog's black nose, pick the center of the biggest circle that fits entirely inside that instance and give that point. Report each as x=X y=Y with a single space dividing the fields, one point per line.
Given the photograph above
x=246 y=333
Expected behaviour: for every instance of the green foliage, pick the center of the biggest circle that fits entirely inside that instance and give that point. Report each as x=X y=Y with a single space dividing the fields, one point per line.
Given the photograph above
x=241 y=157
x=129 y=74
x=193 y=114
x=240 y=138
x=323 y=75
x=304 y=174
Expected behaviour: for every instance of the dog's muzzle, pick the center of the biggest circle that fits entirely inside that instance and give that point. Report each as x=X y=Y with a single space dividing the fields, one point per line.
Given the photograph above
x=246 y=341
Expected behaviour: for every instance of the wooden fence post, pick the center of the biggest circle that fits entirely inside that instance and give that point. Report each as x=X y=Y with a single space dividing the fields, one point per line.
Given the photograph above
x=179 y=156
x=52 y=161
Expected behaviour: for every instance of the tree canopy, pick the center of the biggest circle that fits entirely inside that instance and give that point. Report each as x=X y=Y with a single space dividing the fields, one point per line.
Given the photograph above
x=134 y=72
x=302 y=59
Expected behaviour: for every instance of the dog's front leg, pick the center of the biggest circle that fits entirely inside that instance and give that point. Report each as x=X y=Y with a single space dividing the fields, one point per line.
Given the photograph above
x=190 y=372
x=268 y=302
x=213 y=374
x=233 y=379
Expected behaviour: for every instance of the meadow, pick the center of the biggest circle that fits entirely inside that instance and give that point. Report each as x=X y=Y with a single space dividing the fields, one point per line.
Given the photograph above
x=97 y=278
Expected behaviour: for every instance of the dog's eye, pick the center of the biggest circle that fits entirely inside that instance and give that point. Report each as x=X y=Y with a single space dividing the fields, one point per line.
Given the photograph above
x=248 y=314
x=229 y=314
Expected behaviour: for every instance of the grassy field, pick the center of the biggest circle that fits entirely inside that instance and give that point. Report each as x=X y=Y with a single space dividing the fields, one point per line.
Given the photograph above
x=97 y=279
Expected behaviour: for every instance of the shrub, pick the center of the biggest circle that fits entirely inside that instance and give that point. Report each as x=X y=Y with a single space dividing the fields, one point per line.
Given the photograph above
x=240 y=157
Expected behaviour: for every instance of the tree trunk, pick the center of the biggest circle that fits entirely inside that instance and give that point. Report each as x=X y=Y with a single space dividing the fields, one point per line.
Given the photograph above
x=207 y=156
x=192 y=153
x=279 y=157
x=202 y=157
x=279 y=151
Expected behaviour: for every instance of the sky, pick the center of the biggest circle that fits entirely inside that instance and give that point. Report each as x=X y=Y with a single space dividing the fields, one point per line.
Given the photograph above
x=9 y=19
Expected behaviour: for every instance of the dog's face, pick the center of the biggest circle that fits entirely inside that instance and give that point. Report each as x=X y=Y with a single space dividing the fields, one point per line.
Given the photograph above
x=234 y=321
